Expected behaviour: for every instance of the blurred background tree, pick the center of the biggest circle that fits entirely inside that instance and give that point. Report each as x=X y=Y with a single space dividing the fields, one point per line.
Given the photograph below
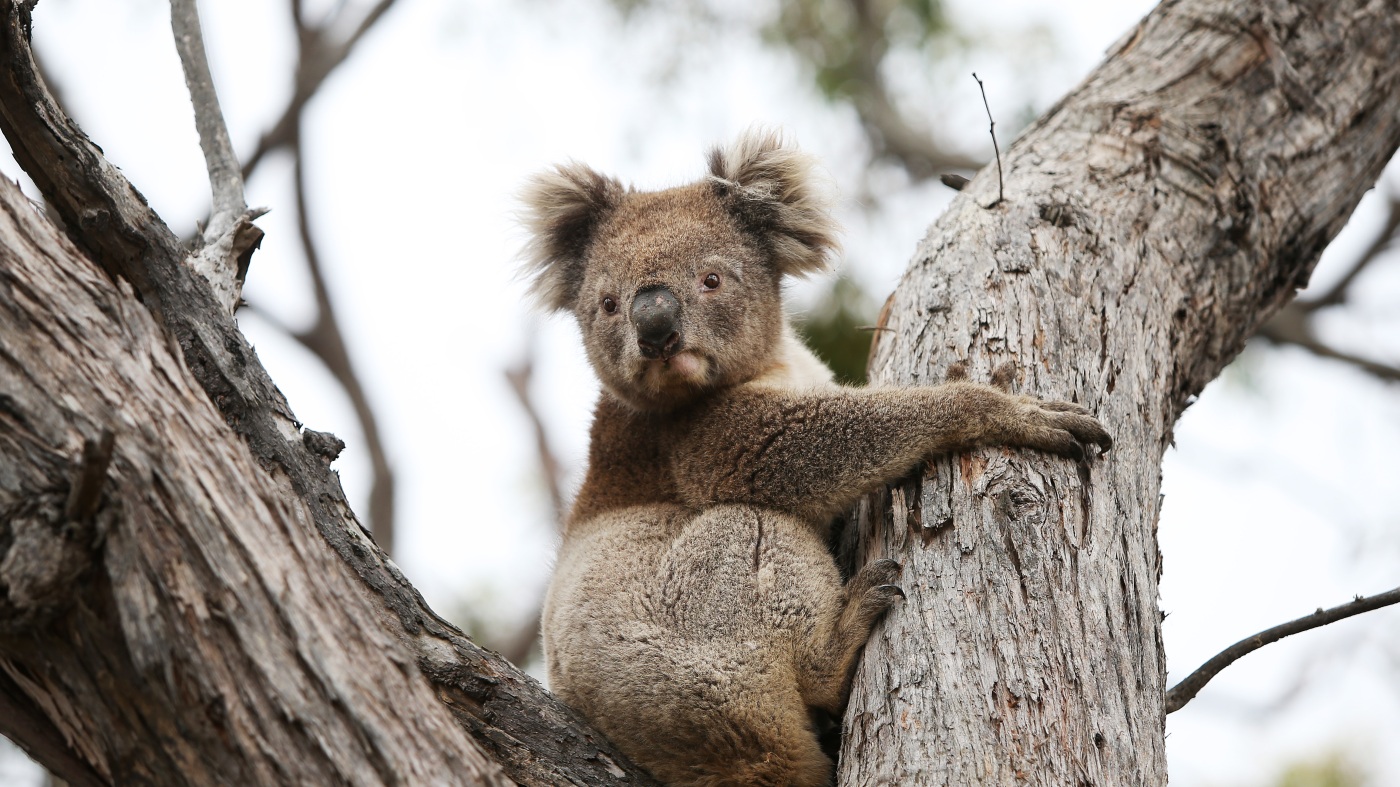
x=383 y=134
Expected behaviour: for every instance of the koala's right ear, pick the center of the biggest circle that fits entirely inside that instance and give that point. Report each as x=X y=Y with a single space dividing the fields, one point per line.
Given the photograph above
x=563 y=209
x=778 y=194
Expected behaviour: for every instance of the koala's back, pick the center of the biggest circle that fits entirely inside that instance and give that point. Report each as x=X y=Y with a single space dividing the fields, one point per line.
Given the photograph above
x=684 y=635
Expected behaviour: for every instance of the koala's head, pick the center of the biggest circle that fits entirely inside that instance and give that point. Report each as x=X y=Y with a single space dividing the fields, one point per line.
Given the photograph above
x=678 y=292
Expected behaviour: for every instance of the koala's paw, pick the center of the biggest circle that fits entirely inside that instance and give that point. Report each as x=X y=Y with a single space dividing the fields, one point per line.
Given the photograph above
x=1063 y=428
x=873 y=586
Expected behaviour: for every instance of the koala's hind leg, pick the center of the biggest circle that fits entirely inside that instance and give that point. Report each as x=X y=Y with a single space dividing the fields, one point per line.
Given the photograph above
x=864 y=599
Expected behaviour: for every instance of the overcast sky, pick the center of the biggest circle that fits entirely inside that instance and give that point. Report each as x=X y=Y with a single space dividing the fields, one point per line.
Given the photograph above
x=1281 y=494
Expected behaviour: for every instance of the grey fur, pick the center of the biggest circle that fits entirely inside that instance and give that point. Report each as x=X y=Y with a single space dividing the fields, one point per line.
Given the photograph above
x=696 y=615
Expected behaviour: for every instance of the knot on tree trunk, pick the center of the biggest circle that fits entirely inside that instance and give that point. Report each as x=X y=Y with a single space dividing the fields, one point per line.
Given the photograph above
x=43 y=554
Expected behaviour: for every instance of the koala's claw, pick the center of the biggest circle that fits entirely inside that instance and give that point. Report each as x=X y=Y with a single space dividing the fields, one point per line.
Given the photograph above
x=893 y=590
x=1087 y=429
x=875 y=575
x=1065 y=428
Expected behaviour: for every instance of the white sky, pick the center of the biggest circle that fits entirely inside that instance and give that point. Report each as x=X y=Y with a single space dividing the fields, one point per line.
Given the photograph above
x=1280 y=498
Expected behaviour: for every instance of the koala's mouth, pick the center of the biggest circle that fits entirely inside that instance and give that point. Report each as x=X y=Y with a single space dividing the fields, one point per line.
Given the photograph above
x=685 y=363
x=685 y=367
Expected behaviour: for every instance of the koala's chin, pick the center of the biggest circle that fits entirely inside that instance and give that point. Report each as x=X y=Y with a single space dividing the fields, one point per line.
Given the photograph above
x=662 y=384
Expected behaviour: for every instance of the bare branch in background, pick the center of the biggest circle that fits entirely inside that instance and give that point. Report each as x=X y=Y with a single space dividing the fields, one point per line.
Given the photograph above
x=1292 y=325
x=519 y=377
x=1187 y=689
x=1337 y=294
x=325 y=339
x=318 y=58
x=229 y=240
x=517 y=647
x=890 y=133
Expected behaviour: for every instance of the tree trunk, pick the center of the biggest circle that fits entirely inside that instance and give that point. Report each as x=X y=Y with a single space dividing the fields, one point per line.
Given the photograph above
x=188 y=623
x=1151 y=222
x=194 y=602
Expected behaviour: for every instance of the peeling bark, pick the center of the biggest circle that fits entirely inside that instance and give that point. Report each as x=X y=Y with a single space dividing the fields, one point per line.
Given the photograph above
x=1153 y=220
x=194 y=629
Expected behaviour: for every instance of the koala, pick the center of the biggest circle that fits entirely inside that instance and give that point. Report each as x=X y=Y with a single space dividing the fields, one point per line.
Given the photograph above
x=696 y=615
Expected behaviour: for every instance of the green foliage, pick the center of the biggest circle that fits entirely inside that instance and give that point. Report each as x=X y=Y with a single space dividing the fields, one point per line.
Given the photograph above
x=1335 y=768
x=833 y=329
x=844 y=42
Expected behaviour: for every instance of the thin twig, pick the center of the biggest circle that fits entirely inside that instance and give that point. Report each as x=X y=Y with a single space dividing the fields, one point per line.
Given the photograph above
x=1001 y=187
x=1186 y=690
x=225 y=178
x=230 y=237
x=85 y=494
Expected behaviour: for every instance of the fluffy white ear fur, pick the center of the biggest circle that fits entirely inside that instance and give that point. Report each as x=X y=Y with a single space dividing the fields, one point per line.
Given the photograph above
x=563 y=207
x=779 y=194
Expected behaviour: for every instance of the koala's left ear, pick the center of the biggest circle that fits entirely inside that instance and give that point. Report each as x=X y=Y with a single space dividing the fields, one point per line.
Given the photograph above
x=563 y=210
x=777 y=194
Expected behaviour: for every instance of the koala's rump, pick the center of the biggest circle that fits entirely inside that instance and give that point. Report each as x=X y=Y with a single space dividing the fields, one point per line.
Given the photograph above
x=680 y=634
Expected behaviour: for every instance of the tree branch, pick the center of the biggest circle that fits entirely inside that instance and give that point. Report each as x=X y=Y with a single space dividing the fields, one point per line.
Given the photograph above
x=326 y=340
x=519 y=377
x=1291 y=325
x=1337 y=294
x=224 y=176
x=518 y=647
x=889 y=131
x=1042 y=593
x=318 y=60
x=230 y=238
x=1187 y=689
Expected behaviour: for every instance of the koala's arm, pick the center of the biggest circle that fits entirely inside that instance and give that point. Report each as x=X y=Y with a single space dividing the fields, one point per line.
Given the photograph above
x=815 y=452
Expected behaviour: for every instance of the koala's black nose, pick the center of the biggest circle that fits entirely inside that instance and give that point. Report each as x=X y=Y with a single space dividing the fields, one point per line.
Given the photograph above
x=657 y=315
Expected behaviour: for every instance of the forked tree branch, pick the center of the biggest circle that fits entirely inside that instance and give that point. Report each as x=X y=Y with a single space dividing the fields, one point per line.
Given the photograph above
x=319 y=58
x=1188 y=688
x=230 y=238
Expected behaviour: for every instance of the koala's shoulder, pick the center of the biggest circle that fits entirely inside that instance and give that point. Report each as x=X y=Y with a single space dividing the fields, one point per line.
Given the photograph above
x=795 y=367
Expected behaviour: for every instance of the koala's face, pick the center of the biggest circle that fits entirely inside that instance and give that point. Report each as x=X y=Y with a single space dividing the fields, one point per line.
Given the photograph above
x=676 y=299
x=678 y=292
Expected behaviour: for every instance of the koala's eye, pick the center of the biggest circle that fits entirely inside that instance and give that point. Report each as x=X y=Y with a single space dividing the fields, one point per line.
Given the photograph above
x=711 y=281
x=609 y=305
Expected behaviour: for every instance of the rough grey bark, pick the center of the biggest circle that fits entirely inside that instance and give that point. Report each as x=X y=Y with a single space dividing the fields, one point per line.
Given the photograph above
x=1153 y=219
x=107 y=627
x=176 y=631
